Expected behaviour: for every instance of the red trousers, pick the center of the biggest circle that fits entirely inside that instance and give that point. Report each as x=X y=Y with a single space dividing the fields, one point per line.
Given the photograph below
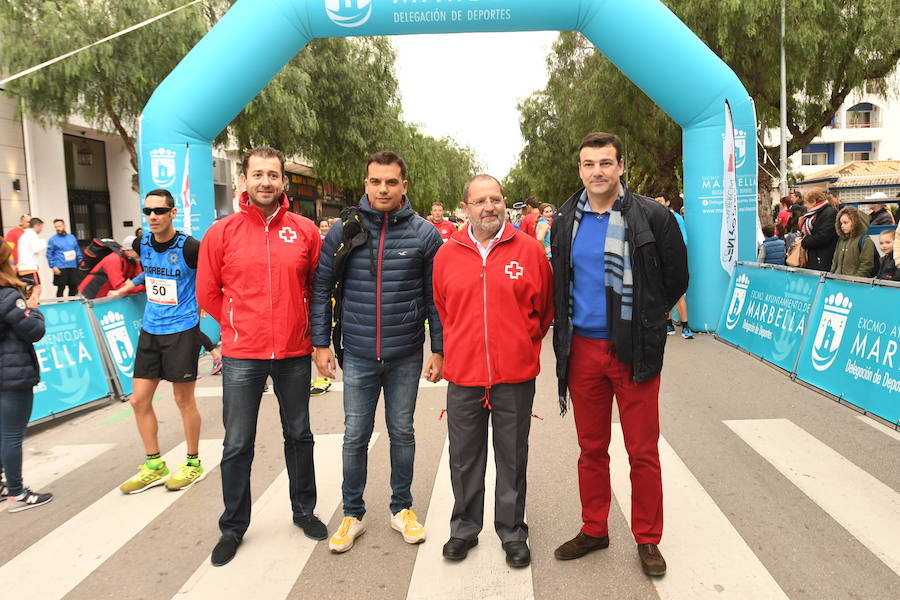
x=595 y=375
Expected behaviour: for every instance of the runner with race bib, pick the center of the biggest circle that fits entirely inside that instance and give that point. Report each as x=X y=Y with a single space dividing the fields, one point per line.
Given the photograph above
x=169 y=343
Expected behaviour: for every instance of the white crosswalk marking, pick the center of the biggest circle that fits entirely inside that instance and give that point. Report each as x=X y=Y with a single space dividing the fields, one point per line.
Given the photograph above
x=338 y=386
x=274 y=551
x=864 y=506
x=882 y=428
x=211 y=391
x=484 y=574
x=85 y=541
x=706 y=556
x=41 y=468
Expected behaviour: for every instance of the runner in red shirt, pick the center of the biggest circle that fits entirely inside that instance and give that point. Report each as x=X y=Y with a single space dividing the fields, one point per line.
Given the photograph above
x=445 y=228
x=530 y=214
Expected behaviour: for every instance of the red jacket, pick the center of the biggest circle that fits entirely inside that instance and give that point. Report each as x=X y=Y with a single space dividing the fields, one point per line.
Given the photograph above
x=255 y=280
x=111 y=273
x=528 y=224
x=494 y=312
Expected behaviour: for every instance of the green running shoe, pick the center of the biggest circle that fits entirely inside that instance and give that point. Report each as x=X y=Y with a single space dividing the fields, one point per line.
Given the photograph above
x=145 y=479
x=187 y=476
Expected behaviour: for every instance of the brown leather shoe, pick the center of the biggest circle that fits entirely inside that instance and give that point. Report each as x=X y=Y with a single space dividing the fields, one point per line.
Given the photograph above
x=652 y=561
x=580 y=545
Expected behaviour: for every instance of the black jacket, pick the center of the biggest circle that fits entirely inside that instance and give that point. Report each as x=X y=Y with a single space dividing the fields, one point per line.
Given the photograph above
x=887 y=269
x=659 y=268
x=822 y=240
x=400 y=263
x=20 y=327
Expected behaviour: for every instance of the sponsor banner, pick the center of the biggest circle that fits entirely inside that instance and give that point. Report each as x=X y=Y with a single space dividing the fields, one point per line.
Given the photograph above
x=71 y=368
x=169 y=167
x=728 y=240
x=120 y=325
x=851 y=350
x=766 y=312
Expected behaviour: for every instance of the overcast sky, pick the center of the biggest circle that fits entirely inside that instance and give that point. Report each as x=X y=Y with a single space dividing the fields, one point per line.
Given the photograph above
x=467 y=85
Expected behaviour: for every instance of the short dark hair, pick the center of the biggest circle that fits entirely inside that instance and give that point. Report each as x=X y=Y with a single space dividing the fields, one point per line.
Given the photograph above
x=324 y=220
x=768 y=230
x=170 y=201
x=600 y=139
x=436 y=203
x=477 y=177
x=35 y=221
x=59 y=221
x=386 y=157
x=532 y=202
x=262 y=152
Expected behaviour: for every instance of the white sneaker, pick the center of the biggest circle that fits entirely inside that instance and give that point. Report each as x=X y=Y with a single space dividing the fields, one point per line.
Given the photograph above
x=350 y=529
x=407 y=524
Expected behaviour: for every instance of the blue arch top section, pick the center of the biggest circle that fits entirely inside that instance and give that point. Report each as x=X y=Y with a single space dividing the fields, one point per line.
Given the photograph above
x=643 y=38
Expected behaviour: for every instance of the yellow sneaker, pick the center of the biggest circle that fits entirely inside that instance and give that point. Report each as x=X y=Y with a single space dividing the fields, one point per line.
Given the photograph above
x=145 y=479
x=407 y=524
x=350 y=529
x=187 y=476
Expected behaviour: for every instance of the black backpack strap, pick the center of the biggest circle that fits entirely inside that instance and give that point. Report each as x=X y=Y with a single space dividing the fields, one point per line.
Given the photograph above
x=354 y=235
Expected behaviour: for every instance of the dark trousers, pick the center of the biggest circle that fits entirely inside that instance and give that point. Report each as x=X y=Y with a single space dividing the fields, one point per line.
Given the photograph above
x=67 y=278
x=595 y=376
x=467 y=425
x=243 y=382
x=15 y=409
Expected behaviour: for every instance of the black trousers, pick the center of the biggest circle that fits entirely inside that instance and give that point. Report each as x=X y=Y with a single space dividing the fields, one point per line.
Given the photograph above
x=67 y=278
x=467 y=425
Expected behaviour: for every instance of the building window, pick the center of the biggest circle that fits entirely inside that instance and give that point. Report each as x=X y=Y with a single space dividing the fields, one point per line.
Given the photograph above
x=814 y=158
x=851 y=156
x=861 y=116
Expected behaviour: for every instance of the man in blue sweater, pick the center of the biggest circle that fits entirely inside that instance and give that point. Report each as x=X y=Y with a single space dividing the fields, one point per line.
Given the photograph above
x=63 y=256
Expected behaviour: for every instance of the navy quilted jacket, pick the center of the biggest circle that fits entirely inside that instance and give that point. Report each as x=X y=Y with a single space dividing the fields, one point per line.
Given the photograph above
x=389 y=325
x=20 y=327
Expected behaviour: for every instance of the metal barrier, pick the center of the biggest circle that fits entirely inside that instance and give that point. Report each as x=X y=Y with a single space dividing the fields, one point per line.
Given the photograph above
x=87 y=354
x=838 y=334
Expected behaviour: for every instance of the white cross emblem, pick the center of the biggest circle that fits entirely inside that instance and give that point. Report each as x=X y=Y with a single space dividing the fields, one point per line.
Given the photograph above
x=287 y=234
x=514 y=270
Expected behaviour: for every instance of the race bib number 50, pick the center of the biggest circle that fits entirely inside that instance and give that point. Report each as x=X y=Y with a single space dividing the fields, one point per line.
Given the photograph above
x=161 y=291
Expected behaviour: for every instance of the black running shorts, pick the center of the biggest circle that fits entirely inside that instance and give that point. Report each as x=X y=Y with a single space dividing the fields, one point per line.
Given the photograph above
x=172 y=356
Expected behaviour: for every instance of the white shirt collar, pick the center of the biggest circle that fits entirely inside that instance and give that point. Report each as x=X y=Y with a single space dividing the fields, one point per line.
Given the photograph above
x=485 y=251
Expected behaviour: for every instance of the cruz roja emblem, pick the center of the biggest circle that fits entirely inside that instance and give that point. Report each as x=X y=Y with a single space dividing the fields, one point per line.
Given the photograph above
x=287 y=234
x=831 y=330
x=514 y=270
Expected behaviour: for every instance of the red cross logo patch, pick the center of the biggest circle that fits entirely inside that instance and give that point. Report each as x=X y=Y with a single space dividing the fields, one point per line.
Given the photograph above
x=287 y=234
x=514 y=269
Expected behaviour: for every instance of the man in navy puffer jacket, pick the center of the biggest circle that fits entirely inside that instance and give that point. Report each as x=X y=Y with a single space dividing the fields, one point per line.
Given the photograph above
x=387 y=296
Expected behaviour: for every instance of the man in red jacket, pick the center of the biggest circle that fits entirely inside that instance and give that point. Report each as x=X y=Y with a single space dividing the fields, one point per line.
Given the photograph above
x=493 y=288
x=114 y=271
x=255 y=278
x=531 y=212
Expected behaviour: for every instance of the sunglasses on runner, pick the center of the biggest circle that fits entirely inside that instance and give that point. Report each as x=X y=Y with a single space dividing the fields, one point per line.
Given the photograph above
x=158 y=210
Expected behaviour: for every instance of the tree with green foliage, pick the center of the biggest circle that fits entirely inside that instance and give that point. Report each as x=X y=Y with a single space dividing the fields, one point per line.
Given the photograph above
x=832 y=48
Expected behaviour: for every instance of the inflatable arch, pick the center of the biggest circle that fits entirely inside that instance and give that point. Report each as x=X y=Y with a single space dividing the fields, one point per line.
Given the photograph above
x=643 y=38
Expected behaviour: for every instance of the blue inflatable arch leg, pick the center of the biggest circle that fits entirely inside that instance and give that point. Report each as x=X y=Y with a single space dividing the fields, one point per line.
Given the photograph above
x=643 y=38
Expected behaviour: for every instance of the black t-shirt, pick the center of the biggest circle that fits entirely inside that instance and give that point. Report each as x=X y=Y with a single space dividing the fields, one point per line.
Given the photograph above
x=191 y=248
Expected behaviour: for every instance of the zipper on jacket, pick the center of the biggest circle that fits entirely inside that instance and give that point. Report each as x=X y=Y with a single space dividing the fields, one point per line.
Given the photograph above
x=271 y=291
x=378 y=288
x=487 y=351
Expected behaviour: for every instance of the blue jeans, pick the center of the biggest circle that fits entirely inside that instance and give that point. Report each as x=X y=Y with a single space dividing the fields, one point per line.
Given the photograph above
x=15 y=408
x=243 y=381
x=363 y=381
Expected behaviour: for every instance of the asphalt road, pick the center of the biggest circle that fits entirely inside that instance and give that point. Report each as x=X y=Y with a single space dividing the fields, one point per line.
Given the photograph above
x=772 y=491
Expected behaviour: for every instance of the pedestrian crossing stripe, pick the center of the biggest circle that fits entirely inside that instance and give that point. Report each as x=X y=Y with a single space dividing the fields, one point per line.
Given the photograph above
x=695 y=570
x=43 y=467
x=484 y=574
x=273 y=550
x=210 y=391
x=85 y=541
x=860 y=503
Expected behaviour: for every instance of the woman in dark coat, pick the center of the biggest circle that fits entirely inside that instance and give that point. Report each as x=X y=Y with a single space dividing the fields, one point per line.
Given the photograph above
x=819 y=233
x=21 y=324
